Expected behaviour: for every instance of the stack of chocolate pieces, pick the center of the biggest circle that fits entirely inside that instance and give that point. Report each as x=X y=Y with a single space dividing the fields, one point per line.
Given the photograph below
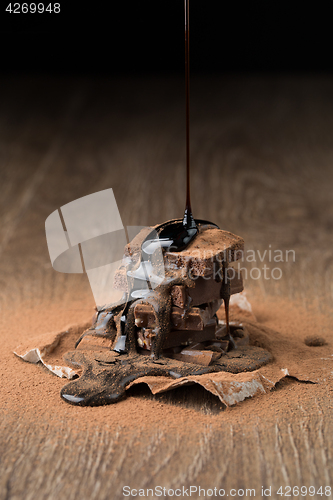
x=195 y=335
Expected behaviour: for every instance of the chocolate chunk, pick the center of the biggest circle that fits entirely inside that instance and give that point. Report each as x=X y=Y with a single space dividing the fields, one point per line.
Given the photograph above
x=314 y=341
x=210 y=247
x=144 y=316
x=196 y=318
x=205 y=290
x=197 y=357
x=192 y=320
x=179 y=296
x=176 y=338
x=145 y=338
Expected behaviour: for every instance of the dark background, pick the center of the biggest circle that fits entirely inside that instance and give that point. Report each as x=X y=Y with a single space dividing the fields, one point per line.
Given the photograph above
x=146 y=37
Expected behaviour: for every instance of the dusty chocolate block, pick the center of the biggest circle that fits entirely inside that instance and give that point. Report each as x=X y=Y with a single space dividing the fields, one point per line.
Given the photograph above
x=205 y=290
x=209 y=249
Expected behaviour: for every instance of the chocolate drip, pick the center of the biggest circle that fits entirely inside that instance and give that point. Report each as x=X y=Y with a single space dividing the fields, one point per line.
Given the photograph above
x=225 y=295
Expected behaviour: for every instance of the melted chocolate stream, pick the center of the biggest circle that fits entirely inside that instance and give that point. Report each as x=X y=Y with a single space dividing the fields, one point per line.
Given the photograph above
x=180 y=234
x=188 y=218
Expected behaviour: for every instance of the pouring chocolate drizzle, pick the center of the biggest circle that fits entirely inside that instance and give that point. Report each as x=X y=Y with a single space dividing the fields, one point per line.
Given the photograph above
x=182 y=233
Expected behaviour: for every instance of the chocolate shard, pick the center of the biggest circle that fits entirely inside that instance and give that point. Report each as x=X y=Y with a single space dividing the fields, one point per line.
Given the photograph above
x=197 y=357
x=179 y=296
x=215 y=345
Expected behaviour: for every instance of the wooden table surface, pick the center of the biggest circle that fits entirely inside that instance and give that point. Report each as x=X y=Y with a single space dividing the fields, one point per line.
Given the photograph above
x=262 y=168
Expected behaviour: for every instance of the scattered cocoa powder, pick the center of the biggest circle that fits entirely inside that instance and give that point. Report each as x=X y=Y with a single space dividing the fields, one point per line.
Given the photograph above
x=32 y=391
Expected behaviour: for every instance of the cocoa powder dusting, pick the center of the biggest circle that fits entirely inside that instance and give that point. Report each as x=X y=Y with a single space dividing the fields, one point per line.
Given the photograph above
x=30 y=390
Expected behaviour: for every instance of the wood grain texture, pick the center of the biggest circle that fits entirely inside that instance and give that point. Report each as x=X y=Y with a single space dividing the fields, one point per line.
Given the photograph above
x=262 y=156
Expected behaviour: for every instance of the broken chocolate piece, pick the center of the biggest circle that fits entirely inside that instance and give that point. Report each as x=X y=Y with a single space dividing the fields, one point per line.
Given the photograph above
x=210 y=247
x=236 y=281
x=179 y=296
x=314 y=341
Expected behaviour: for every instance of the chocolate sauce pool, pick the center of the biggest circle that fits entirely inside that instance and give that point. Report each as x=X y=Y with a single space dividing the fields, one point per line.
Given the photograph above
x=180 y=234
